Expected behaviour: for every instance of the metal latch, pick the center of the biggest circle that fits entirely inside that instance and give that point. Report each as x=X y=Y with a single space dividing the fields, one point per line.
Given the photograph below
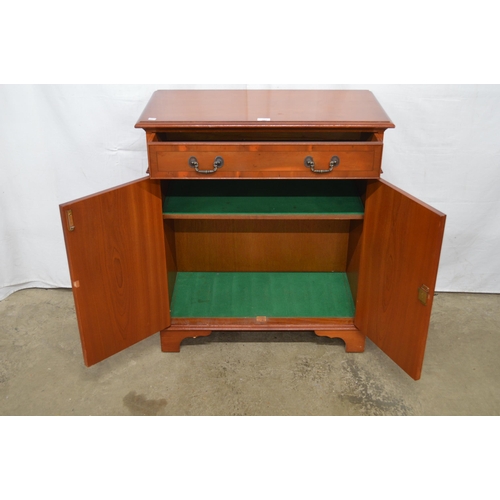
x=69 y=216
x=423 y=294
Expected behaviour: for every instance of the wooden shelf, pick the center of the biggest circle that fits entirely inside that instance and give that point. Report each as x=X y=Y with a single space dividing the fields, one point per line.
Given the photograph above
x=262 y=199
x=270 y=295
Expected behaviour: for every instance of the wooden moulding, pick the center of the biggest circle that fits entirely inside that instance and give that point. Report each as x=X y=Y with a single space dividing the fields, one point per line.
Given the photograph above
x=171 y=338
x=261 y=323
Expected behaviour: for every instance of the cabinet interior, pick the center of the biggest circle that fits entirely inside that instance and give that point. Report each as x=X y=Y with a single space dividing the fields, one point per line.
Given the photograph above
x=286 y=248
x=265 y=135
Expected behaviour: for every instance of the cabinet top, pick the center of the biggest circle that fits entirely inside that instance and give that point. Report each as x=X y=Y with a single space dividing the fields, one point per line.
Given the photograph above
x=353 y=109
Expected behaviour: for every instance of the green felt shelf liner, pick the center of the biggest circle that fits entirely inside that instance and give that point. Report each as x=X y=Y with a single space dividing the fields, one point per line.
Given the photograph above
x=273 y=197
x=249 y=294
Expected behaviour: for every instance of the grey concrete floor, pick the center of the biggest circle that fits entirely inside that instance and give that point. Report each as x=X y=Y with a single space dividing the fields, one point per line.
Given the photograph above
x=42 y=370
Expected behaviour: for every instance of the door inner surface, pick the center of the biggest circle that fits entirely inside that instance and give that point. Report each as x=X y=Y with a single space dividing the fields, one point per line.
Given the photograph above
x=400 y=255
x=116 y=254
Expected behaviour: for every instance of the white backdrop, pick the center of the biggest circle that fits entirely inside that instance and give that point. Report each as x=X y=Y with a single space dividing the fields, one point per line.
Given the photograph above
x=61 y=142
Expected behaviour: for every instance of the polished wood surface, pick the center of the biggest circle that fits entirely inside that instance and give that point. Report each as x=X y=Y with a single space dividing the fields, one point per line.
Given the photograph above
x=171 y=256
x=257 y=160
x=264 y=108
x=261 y=245
x=401 y=248
x=354 y=256
x=116 y=256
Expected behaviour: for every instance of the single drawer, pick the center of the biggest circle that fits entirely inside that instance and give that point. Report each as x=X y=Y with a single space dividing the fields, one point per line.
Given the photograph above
x=226 y=160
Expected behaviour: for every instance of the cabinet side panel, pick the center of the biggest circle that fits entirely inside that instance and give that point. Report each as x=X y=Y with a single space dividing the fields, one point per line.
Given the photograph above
x=116 y=255
x=401 y=247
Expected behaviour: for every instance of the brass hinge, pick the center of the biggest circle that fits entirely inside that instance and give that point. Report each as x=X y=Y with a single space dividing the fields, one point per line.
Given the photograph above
x=69 y=217
x=423 y=294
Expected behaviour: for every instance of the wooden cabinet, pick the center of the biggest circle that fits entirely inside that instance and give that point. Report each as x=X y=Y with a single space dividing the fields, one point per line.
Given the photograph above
x=263 y=210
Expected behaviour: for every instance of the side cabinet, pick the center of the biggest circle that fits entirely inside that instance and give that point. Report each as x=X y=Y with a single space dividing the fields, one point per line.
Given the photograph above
x=263 y=210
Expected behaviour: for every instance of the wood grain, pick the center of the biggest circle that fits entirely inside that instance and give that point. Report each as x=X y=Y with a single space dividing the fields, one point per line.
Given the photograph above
x=171 y=256
x=261 y=245
x=357 y=160
x=331 y=108
x=354 y=256
x=117 y=263
x=401 y=247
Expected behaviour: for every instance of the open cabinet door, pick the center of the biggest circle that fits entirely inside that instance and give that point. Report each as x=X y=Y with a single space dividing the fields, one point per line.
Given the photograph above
x=116 y=254
x=399 y=261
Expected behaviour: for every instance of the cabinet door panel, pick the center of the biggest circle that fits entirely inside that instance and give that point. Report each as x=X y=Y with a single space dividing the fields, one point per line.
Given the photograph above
x=401 y=247
x=116 y=254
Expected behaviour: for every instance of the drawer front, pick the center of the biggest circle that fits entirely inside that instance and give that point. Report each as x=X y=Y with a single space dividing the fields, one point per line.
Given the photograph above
x=257 y=160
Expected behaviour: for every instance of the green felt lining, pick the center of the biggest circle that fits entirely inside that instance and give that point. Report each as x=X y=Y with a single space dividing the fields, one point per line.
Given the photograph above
x=260 y=197
x=249 y=294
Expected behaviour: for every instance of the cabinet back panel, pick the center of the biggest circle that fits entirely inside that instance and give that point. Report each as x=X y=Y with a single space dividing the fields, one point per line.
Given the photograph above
x=261 y=245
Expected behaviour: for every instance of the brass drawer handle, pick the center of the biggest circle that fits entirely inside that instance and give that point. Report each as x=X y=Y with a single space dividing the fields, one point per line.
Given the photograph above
x=309 y=163
x=218 y=163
